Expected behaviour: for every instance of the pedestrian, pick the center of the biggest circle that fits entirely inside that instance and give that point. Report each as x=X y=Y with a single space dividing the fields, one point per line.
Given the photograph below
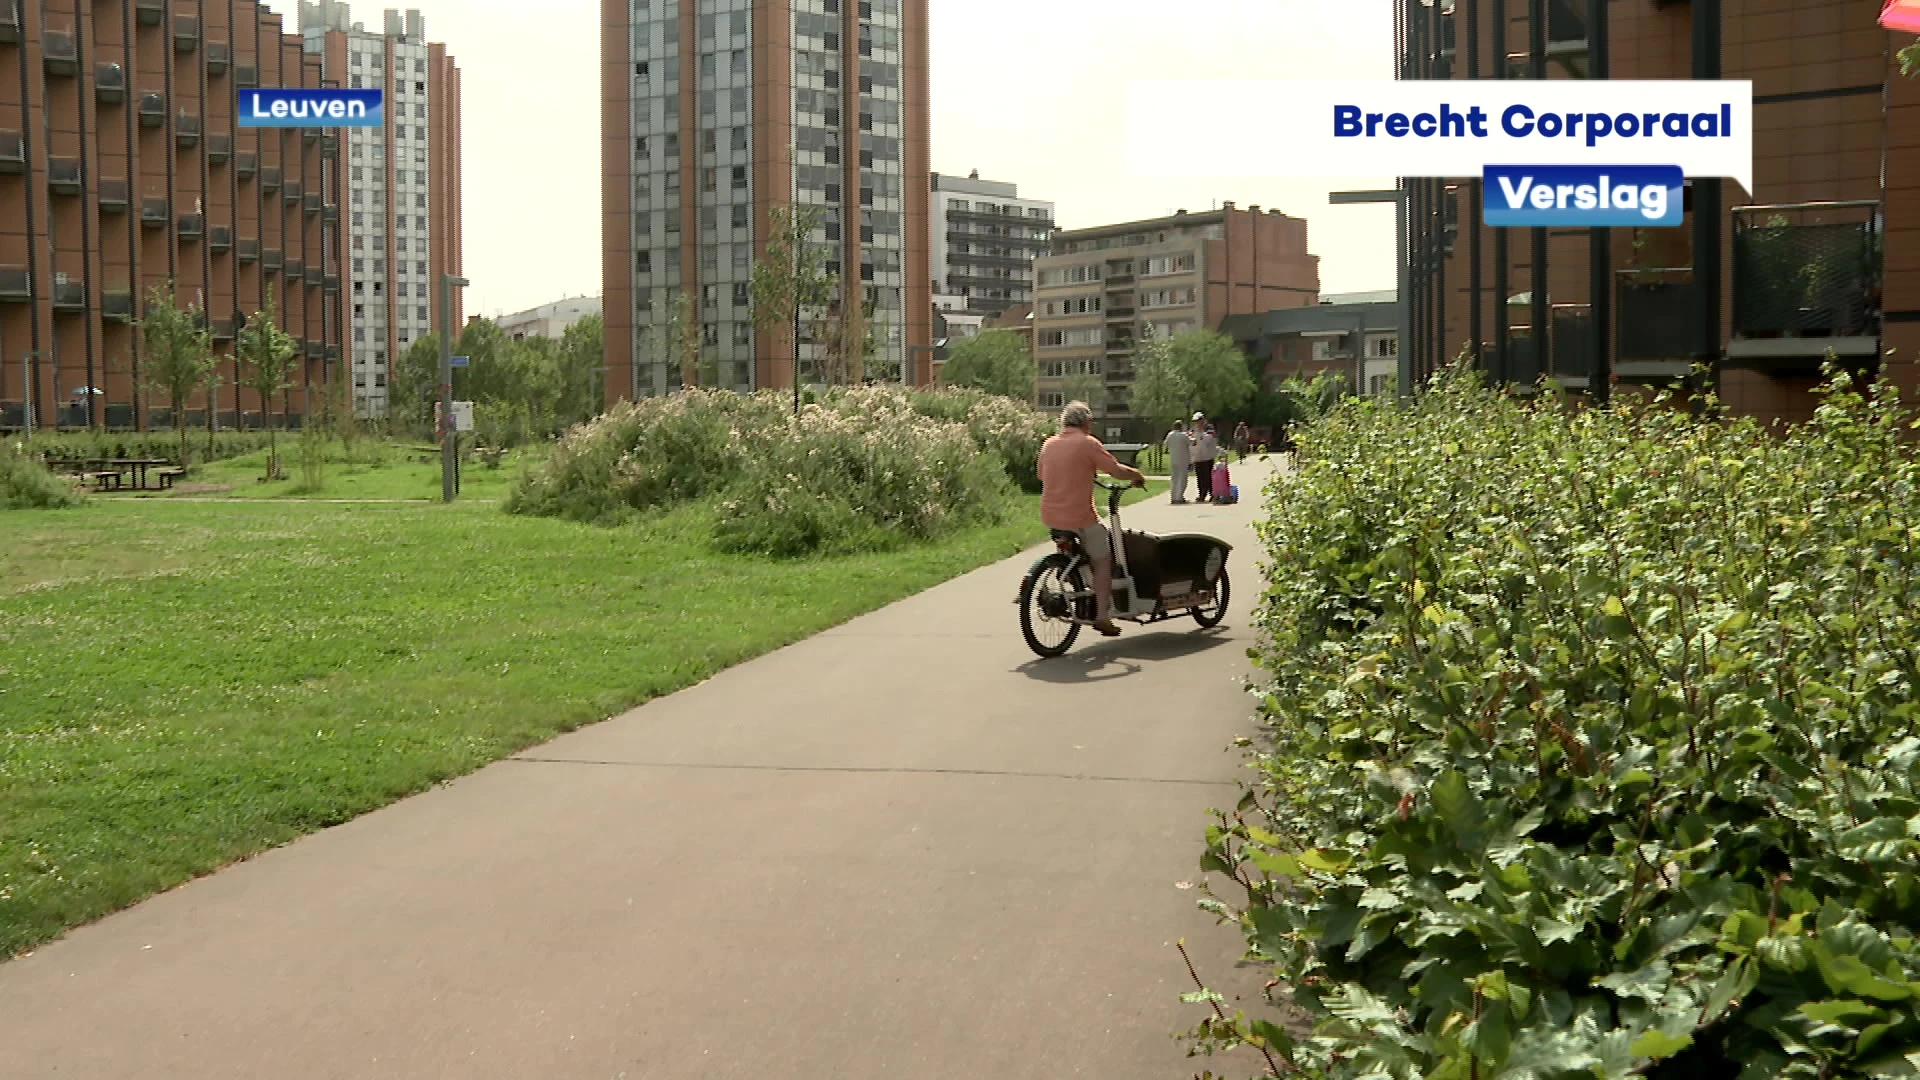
x=1241 y=435
x=1206 y=447
x=1179 y=459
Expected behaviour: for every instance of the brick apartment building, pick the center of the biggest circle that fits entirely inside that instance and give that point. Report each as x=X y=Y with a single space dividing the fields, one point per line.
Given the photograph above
x=1757 y=285
x=713 y=115
x=122 y=168
x=1102 y=290
x=400 y=186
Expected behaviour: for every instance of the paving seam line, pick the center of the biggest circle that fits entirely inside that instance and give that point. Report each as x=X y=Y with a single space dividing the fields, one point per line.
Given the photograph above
x=877 y=769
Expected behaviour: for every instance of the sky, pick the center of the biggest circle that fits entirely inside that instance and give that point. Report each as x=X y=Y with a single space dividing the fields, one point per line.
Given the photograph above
x=1034 y=93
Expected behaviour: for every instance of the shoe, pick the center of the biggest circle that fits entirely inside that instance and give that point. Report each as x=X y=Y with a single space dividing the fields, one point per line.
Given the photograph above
x=1107 y=628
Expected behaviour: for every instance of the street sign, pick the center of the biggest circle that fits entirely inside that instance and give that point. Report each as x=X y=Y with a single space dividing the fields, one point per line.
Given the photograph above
x=458 y=361
x=462 y=415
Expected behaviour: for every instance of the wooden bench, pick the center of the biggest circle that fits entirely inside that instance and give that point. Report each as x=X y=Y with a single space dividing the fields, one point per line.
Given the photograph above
x=168 y=475
x=102 y=481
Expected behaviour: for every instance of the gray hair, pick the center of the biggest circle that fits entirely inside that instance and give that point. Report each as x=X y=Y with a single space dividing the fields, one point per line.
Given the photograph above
x=1076 y=414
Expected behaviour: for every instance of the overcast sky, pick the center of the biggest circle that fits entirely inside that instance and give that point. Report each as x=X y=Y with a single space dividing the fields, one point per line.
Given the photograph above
x=1024 y=91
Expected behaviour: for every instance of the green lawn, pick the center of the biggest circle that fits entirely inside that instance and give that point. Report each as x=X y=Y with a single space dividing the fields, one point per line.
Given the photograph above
x=187 y=683
x=385 y=472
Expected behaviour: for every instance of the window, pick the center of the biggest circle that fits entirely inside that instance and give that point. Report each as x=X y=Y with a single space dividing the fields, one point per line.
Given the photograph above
x=739 y=178
x=673 y=182
x=710 y=333
x=742 y=333
x=358 y=286
x=707 y=179
x=866 y=84
x=831 y=79
x=707 y=141
x=359 y=219
x=420 y=313
x=673 y=145
x=640 y=147
x=420 y=200
x=419 y=221
x=832 y=117
x=831 y=40
x=419 y=88
x=739 y=138
x=419 y=113
x=739 y=294
x=866 y=121
x=356 y=58
x=740 y=215
x=379 y=379
x=420 y=267
x=356 y=195
x=738 y=65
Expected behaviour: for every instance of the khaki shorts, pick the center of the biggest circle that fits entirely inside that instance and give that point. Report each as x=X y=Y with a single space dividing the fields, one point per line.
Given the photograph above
x=1095 y=541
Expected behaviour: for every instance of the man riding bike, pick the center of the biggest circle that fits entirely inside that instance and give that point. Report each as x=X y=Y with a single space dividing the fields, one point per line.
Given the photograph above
x=1069 y=463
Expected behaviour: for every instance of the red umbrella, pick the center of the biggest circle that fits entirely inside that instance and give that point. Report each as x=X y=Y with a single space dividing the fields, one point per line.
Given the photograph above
x=1901 y=15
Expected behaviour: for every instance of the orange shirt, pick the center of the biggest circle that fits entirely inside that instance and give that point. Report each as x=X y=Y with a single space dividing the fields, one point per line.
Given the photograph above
x=1068 y=464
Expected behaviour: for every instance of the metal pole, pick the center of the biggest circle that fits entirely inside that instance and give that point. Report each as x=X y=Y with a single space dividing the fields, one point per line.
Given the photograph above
x=1542 y=317
x=1403 y=366
x=1502 y=255
x=1600 y=306
x=26 y=387
x=445 y=420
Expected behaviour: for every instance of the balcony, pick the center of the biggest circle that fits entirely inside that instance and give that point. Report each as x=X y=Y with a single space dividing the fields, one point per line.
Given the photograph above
x=330 y=214
x=312 y=202
x=13 y=152
x=247 y=249
x=62 y=55
x=117 y=304
x=1806 y=280
x=220 y=238
x=316 y=349
x=222 y=329
x=332 y=283
x=16 y=285
x=312 y=135
x=270 y=260
x=270 y=179
x=63 y=175
x=9 y=24
x=153 y=109
x=1572 y=355
x=295 y=268
x=155 y=213
x=290 y=191
x=186 y=33
x=316 y=276
x=186 y=129
x=1657 y=322
x=150 y=11
x=245 y=75
x=69 y=296
x=246 y=165
x=109 y=84
x=219 y=55
x=329 y=145
x=192 y=226
x=113 y=196
x=219 y=149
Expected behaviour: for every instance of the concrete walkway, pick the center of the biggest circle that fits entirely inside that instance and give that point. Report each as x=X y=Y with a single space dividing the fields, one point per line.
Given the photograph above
x=904 y=848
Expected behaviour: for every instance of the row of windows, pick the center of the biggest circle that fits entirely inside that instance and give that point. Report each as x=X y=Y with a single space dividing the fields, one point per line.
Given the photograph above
x=1092 y=335
x=419 y=243
x=1168 y=264
x=1103 y=243
x=1167 y=297
x=1070 y=275
x=373 y=60
x=1078 y=305
x=1055 y=369
x=1008 y=209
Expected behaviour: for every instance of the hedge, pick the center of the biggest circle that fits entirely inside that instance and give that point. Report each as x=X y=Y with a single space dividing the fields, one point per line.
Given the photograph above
x=1589 y=747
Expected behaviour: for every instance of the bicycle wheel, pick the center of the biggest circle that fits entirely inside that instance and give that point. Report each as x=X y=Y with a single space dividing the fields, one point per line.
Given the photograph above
x=1047 y=607
x=1210 y=615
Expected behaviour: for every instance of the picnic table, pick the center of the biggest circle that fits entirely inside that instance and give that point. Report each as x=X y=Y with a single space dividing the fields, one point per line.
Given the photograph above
x=111 y=473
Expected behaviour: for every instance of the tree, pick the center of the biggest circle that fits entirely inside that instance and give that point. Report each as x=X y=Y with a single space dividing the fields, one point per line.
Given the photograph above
x=790 y=277
x=265 y=356
x=1081 y=388
x=847 y=337
x=1195 y=370
x=415 y=383
x=582 y=371
x=996 y=361
x=179 y=355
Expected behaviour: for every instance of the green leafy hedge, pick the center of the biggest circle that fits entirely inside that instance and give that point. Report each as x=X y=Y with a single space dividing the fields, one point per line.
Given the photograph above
x=1590 y=747
x=26 y=484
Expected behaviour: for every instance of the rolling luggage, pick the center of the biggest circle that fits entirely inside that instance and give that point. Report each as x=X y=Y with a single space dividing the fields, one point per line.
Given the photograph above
x=1222 y=483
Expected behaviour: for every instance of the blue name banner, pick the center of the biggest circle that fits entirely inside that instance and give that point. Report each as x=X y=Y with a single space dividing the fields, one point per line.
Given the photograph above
x=1583 y=196
x=312 y=108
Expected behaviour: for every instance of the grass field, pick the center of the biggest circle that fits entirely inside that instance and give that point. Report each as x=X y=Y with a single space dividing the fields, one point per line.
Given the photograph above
x=185 y=683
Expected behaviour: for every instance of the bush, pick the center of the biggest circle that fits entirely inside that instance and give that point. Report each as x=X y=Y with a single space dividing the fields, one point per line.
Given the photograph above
x=26 y=484
x=1591 y=746
x=857 y=478
x=153 y=444
x=863 y=468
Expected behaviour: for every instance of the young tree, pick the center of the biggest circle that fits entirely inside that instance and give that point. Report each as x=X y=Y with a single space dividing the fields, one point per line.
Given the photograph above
x=414 y=385
x=582 y=359
x=179 y=355
x=996 y=361
x=1214 y=367
x=849 y=342
x=683 y=338
x=1085 y=388
x=1161 y=392
x=790 y=277
x=265 y=354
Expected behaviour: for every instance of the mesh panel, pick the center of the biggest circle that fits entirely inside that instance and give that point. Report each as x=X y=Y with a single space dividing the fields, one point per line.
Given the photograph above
x=1815 y=280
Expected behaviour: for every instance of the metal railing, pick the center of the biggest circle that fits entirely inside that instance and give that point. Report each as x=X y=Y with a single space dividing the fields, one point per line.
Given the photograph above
x=1807 y=270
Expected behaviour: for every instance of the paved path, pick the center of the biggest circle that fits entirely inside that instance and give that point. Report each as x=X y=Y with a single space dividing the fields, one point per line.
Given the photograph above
x=901 y=849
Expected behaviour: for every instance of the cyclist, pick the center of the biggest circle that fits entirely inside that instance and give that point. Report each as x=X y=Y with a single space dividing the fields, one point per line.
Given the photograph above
x=1069 y=463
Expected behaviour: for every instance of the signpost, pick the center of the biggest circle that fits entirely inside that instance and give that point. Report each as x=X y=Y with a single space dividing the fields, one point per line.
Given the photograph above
x=457 y=361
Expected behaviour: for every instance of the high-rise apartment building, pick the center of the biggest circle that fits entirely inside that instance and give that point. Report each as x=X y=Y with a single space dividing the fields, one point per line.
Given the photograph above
x=122 y=168
x=1758 y=286
x=548 y=320
x=715 y=112
x=401 y=183
x=983 y=239
x=1103 y=290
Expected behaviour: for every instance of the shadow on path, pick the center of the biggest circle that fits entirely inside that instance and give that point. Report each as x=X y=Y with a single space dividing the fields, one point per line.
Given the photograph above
x=1116 y=658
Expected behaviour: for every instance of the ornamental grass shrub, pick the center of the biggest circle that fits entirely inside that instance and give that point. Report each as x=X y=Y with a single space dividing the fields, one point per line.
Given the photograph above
x=860 y=469
x=1589 y=747
x=26 y=484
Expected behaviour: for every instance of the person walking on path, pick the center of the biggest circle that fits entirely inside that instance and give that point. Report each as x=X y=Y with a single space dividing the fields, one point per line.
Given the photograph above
x=1069 y=463
x=1179 y=460
x=1206 y=447
x=1240 y=436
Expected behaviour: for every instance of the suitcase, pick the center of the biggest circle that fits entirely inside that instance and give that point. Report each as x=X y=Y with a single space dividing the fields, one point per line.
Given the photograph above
x=1222 y=483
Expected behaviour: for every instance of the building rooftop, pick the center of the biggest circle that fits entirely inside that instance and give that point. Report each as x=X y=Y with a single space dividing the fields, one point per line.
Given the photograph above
x=973 y=185
x=1317 y=319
